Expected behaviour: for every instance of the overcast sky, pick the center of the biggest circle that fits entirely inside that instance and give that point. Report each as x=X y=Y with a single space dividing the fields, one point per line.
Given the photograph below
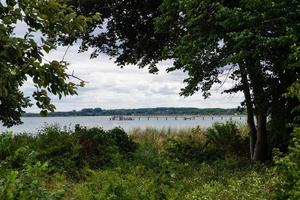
x=110 y=87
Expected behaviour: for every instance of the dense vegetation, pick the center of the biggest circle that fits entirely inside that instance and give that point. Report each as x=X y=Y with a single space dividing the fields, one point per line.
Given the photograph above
x=143 y=111
x=146 y=164
x=255 y=43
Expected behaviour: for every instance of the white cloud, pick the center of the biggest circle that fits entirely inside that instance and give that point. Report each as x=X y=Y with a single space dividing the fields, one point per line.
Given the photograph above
x=108 y=86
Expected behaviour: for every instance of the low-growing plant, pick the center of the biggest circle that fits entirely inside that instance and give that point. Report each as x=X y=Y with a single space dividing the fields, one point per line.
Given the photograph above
x=25 y=183
x=6 y=146
x=109 y=184
x=225 y=140
x=187 y=149
x=92 y=163
x=250 y=186
x=59 y=148
x=288 y=167
x=221 y=141
x=100 y=148
x=67 y=151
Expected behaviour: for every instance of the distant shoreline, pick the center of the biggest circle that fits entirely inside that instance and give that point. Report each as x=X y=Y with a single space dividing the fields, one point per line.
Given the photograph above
x=161 y=111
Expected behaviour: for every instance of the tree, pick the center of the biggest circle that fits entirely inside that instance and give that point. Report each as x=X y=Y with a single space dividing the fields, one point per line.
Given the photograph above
x=289 y=165
x=49 y=23
x=253 y=42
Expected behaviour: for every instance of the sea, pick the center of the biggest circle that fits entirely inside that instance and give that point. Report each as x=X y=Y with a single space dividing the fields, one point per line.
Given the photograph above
x=35 y=124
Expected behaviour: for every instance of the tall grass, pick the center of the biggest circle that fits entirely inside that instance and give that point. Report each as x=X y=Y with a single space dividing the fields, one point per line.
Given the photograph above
x=158 y=137
x=146 y=164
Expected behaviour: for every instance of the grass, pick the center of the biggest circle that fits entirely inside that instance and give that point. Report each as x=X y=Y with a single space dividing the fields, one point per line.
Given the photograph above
x=145 y=164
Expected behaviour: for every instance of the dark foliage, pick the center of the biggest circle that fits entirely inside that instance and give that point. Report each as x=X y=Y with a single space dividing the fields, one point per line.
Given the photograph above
x=221 y=141
x=46 y=25
x=67 y=151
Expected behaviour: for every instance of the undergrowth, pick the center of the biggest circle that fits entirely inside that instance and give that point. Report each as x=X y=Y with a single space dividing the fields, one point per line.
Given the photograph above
x=91 y=163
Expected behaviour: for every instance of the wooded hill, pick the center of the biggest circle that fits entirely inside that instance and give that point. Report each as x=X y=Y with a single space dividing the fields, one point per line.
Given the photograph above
x=143 y=111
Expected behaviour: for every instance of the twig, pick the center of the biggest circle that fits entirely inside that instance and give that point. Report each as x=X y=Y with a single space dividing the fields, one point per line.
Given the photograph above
x=46 y=59
x=227 y=75
x=63 y=58
x=76 y=77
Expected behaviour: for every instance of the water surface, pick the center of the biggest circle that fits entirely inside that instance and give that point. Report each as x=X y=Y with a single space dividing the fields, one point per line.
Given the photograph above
x=33 y=124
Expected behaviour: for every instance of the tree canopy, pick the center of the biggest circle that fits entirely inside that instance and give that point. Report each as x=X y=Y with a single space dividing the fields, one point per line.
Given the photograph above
x=49 y=23
x=254 y=43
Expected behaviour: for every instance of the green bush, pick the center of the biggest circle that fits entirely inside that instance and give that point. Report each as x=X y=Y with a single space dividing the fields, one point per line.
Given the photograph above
x=251 y=186
x=67 y=151
x=100 y=148
x=59 y=148
x=187 y=149
x=112 y=185
x=218 y=142
x=25 y=183
x=225 y=140
x=12 y=156
x=289 y=169
x=6 y=149
x=134 y=183
x=91 y=163
x=175 y=180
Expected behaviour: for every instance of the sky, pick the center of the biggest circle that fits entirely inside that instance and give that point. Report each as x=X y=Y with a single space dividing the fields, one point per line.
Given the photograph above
x=110 y=87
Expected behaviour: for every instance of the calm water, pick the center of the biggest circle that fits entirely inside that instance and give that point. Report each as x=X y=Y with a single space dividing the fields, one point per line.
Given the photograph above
x=33 y=124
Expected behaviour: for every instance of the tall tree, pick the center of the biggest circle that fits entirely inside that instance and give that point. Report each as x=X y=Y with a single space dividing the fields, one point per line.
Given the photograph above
x=251 y=41
x=49 y=23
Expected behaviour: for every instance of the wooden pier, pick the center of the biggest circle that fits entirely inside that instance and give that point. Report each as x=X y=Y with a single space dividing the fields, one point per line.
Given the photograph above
x=181 y=117
x=121 y=118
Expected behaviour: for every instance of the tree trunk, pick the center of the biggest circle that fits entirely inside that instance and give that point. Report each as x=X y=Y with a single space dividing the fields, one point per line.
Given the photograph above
x=261 y=145
x=260 y=104
x=281 y=114
x=250 y=112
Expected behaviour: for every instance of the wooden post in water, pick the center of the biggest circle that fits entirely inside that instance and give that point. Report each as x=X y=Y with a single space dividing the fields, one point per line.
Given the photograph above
x=202 y=118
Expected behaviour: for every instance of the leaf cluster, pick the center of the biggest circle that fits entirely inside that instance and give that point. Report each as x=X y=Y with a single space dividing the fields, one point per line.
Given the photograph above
x=47 y=24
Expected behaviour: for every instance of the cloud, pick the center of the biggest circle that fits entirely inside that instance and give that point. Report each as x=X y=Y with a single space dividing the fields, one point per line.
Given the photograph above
x=108 y=86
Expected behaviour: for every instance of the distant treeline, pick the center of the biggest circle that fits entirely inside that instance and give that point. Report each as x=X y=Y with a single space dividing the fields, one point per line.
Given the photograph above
x=143 y=111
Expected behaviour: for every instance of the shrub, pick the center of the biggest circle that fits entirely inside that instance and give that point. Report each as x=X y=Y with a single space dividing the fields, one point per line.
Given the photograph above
x=289 y=169
x=225 y=140
x=120 y=184
x=122 y=141
x=251 y=185
x=188 y=146
x=59 y=148
x=110 y=184
x=6 y=146
x=12 y=156
x=67 y=151
x=100 y=158
x=100 y=148
x=218 y=142
x=26 y=182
